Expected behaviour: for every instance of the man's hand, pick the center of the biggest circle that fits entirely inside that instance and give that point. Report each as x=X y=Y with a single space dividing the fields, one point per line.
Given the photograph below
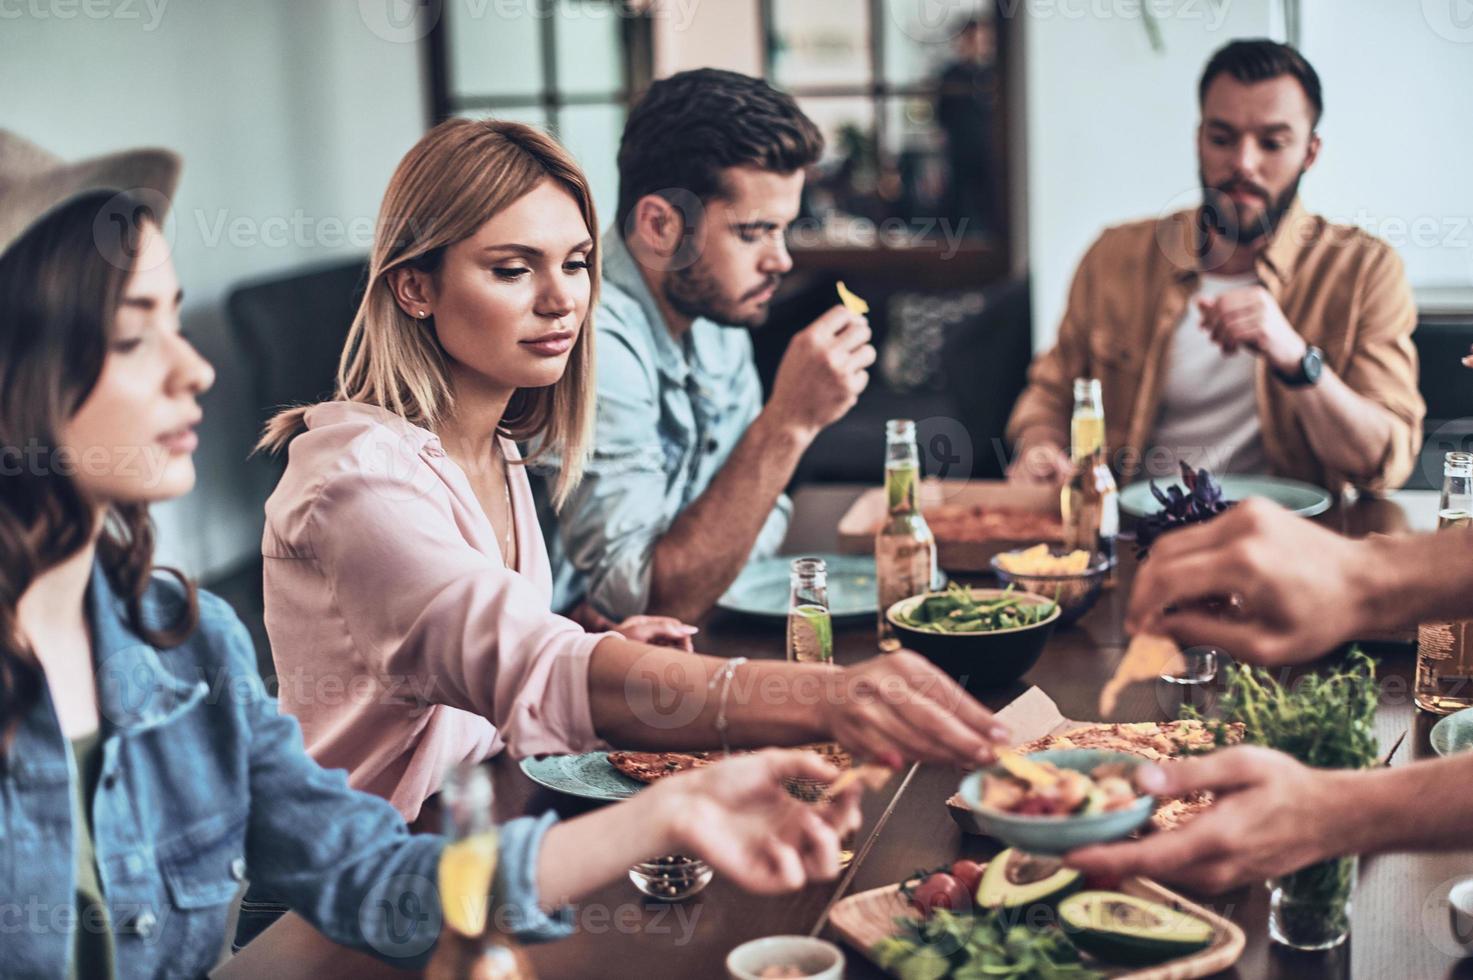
x=661 y=631
x=825 y=368
x=1248 y=317
x=900 y=707
x=738 y=816
x=1303 y=589
x=1272 y=816
x=1039 y=461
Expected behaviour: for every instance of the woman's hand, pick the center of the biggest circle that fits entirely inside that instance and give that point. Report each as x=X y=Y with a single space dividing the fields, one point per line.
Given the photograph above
x=900 y=707
x=1273 y=815
x=661 y=631
x=738 y=817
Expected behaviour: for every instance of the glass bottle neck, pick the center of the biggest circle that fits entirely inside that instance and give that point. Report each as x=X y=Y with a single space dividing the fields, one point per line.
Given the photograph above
x=902 y=475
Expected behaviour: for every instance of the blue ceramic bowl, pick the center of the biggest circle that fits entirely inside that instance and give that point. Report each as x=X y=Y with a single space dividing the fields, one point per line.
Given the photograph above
x=1058 y=835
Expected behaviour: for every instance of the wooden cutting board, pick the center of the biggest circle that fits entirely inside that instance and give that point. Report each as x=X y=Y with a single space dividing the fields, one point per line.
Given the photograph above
x=864 y=919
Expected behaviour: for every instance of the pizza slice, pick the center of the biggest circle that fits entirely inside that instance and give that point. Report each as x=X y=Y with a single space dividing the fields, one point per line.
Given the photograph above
x=647 y=767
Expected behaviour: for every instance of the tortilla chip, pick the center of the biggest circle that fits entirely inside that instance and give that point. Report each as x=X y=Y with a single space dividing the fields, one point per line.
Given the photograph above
x=1147 y=658
x=851 y=302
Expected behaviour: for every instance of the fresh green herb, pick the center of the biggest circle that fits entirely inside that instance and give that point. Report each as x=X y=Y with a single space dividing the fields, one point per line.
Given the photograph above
x=957 y=610
x=978 y=946
x=1326 y=721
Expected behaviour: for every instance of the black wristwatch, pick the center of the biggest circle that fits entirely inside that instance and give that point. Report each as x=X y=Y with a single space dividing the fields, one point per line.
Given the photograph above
x=1311 y=366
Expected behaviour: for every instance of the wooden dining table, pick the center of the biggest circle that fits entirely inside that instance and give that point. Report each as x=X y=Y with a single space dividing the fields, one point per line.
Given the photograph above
x=1399 y=924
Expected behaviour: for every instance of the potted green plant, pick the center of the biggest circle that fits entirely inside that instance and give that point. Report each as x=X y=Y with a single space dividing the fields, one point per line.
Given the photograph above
x=1326 y=721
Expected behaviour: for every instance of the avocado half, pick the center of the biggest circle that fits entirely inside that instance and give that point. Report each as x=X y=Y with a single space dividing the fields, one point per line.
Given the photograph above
x=1119 y=928
x=1015 y=880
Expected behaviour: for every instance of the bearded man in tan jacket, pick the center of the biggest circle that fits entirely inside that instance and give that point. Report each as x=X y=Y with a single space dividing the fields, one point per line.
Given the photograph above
x=1247 y=335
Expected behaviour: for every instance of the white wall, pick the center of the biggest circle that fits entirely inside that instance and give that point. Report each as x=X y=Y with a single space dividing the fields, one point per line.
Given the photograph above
x=1398 y=129
x=1110 y=126
x=290 y=117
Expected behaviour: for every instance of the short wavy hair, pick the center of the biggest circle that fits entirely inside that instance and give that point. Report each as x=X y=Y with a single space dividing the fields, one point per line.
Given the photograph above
x=1258 y=60
x=690 y=127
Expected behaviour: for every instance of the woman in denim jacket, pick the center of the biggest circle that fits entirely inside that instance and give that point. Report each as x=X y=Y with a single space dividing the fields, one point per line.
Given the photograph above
x=145 y=772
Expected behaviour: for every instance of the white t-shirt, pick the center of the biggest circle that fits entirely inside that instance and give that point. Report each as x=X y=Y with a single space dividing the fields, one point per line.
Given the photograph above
x=1208 y=415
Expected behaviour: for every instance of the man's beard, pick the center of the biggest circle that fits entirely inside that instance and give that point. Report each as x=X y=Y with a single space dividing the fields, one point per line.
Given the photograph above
x=1220 y=215
x=694 y=292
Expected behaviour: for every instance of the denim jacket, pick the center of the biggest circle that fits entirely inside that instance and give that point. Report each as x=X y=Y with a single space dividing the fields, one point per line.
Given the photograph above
x=669 y=414
x=204 y=784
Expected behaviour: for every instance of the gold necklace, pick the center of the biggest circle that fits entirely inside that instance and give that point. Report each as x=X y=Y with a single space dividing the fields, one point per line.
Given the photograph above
x=506 y=556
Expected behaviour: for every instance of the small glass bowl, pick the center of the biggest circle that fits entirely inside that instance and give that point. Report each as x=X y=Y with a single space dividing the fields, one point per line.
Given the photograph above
x=672 y=878
x=1075 y=593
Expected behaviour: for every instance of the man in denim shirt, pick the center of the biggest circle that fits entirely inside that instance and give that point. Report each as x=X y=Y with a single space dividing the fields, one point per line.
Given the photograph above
x=688 y=469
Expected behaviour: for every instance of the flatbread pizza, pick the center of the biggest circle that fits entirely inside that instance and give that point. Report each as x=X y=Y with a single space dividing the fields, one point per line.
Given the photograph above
x=649 y=767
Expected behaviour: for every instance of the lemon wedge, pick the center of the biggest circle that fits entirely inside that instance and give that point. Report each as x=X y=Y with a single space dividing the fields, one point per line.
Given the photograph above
x=467 y=868
x=851 y=302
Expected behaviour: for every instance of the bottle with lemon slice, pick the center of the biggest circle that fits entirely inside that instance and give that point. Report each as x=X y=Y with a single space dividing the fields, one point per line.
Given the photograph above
x=810 y=630
x=470 y=946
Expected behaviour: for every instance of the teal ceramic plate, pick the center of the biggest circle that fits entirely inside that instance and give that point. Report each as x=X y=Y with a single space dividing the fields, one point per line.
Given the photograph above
x=1059 y=835
x=1304 y=499
x=762 y=588
x=589 y=776
x=1454 y=733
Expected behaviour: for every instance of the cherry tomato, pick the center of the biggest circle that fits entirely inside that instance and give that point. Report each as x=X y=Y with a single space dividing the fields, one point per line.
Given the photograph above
x=969 y=873
x=940 y=891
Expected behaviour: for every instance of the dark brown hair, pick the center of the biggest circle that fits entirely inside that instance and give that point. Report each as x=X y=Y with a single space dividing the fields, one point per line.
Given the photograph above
x=691 y=126
x=1258 y=60
x=60 y=286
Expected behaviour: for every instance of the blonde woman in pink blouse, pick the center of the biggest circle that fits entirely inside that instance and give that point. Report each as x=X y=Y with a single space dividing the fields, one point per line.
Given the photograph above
x=406 y=583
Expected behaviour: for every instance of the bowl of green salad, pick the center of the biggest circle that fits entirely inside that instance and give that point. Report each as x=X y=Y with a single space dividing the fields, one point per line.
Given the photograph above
x=985 y=638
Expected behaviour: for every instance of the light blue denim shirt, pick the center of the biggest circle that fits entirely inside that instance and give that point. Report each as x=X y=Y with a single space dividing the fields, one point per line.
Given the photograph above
x=669 y=414
x=204 y=784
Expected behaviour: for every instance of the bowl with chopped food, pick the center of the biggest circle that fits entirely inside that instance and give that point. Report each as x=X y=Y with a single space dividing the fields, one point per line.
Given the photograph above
x=1054 y=801
x=785 y=958
x=1072 y=578
x=985 y=638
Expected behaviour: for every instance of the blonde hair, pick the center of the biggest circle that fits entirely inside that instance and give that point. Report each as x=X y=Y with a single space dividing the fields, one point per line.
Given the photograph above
x=461 y=174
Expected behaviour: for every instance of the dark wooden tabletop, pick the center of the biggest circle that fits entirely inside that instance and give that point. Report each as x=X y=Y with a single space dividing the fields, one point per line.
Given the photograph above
x=1400 y=927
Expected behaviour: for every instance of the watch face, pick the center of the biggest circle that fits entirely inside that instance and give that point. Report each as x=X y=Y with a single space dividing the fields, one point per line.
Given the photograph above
x=1314 y=363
